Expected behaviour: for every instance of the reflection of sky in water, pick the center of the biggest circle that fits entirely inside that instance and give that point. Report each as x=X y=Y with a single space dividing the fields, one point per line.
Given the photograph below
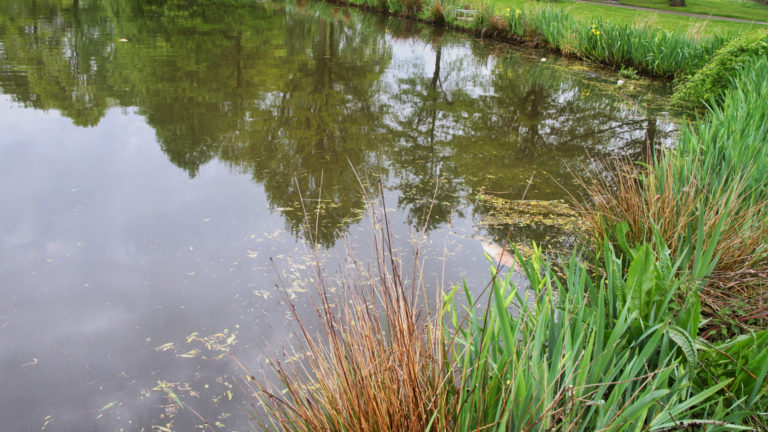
x=108 y=250
x=107 y=253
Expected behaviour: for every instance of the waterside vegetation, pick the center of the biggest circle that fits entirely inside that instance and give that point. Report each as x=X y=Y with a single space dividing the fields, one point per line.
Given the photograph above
x=708 y=193
x=643 y=46
x=623 y=336
x=611 y=350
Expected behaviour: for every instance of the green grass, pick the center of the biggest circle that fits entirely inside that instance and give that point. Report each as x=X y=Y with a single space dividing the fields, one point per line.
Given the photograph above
x=744 y=9
x=642 y=47
x=587 y=13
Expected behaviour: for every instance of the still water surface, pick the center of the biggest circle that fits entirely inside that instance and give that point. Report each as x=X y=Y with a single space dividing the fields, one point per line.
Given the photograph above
x=151 y=159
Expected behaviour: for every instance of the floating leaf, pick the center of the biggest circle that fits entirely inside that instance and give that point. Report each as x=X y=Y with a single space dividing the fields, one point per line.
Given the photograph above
x=166 y=347
x=108 y=406
x=190 y=354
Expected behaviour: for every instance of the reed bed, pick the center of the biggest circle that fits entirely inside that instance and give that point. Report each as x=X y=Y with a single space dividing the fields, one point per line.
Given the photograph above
x=708 y=193
x=377 y=362
x=561 y=353
x=609 y=353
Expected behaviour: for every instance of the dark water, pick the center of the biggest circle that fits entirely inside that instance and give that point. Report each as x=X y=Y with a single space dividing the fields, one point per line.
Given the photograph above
x=151 y=159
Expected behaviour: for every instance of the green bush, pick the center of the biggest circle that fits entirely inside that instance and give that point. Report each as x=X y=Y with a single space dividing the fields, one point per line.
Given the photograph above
x=711 y=81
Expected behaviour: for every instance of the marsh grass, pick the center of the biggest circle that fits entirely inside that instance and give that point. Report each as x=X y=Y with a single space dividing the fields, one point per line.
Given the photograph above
x=377 y=361
x=577 y=351
x=708 y=193
x=605 y=353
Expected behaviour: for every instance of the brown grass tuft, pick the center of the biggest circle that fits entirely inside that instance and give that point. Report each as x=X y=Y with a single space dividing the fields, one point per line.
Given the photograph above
x=630 y=193
x=376 y=364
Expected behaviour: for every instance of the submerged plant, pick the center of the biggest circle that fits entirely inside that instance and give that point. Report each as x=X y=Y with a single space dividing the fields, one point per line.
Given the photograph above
x=628 y=72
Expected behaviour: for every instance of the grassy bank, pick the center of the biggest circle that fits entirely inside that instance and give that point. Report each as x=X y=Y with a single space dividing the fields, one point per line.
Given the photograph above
x=709 y=84
x=707 y=194
x=586 y=13
x=748 y=10
x=643 y=47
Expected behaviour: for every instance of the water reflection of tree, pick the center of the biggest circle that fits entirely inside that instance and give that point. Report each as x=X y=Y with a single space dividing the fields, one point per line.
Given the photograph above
x=321 y=119
x=59 y=53
x=294 y=99
x=494 y=133
x=222 y=80
x=420 y=155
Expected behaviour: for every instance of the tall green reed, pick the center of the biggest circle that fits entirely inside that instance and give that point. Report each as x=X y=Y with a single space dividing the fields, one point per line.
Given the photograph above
x=584 y=353
x=714 y=184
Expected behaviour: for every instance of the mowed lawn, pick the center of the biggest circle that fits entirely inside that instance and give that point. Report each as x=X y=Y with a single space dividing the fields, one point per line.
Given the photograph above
x=744 y=9
x=589 y=13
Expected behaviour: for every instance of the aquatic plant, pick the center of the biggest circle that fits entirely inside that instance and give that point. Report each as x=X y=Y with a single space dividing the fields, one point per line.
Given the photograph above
x=378 y=361
x=707 y=194
x=611 y=351
x=583 y=353
x=628 y=72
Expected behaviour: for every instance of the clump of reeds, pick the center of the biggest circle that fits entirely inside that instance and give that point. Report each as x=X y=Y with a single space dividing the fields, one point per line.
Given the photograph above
x=377 y=362
x=584 y=353
x=708 y=194
x=581 y=353
x=435 y=11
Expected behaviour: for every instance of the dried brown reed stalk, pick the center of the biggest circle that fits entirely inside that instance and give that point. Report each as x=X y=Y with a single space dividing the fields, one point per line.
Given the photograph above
x=377 y=362
x=437 y=11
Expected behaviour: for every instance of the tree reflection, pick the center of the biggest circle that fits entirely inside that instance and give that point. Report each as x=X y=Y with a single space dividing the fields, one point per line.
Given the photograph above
x=295 y=95
x=56 y=55
x=420 y=156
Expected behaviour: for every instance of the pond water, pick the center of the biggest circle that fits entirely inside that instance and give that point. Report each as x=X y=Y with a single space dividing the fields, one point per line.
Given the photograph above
x=152 y=159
